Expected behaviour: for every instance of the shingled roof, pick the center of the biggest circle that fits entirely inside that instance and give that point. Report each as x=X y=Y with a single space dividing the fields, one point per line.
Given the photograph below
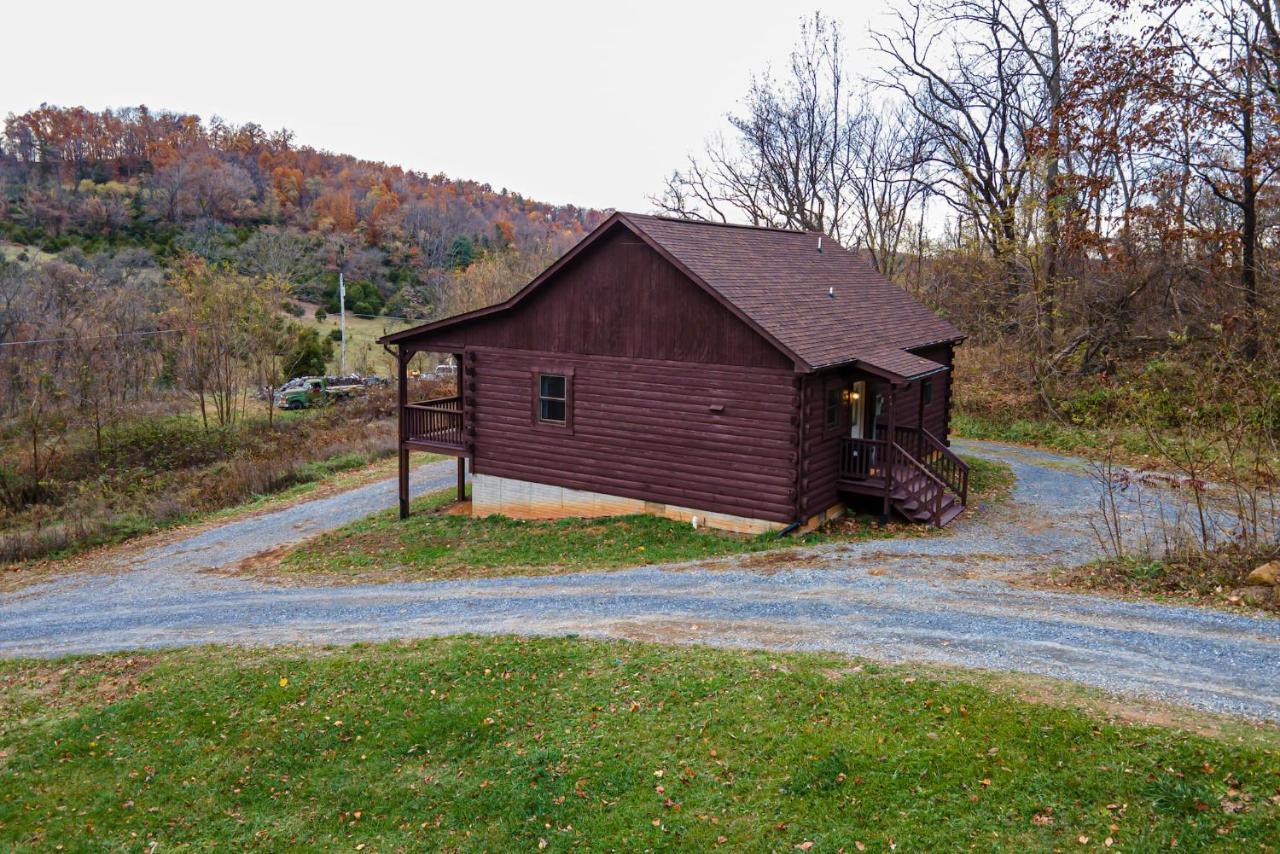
x=823 y=308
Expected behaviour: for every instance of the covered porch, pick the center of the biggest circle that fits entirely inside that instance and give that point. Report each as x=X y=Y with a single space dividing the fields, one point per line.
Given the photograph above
x=437 y=424
x=887 y=452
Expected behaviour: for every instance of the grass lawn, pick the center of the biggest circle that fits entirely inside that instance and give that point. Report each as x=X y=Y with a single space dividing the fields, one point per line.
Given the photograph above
x=1132 y=444
x=501 y=744
x=436 y=543
x=988 y=480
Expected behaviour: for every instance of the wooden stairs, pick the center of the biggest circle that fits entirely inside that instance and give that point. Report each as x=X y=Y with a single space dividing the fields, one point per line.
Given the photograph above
x=928 y=483
x=920 y=498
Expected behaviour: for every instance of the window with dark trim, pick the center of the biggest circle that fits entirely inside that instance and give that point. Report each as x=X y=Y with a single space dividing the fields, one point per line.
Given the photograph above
x=926 y=392
x=553 y=399
x=833 y=405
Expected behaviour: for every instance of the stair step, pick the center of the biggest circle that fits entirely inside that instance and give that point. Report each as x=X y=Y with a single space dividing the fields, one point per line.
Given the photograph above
x=912 y=508
x=949 y=514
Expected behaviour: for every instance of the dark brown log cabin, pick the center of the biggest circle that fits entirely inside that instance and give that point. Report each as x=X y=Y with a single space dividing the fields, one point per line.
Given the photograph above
x=743 y=378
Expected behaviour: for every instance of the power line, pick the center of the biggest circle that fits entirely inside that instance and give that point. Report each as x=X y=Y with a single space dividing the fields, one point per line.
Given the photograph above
x=153 y=332
x=93 y=337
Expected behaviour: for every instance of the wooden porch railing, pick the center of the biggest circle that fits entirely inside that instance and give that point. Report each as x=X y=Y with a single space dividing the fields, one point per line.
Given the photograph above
x=862 y=459
x=438 y=422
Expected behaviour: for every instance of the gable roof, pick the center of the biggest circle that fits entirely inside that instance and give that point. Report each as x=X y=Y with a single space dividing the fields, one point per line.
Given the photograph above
x=777 y=282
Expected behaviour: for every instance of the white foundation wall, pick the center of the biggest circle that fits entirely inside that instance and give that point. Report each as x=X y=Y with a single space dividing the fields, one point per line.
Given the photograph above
x=521 y=499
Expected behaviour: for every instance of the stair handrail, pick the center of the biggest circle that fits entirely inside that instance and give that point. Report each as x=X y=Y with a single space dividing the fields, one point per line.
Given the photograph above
x=935 y=512
x=959 y=483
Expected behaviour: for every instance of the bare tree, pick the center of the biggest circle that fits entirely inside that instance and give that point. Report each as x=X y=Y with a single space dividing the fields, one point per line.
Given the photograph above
x=788 y=162
x=1236 y=147
x=888 y=155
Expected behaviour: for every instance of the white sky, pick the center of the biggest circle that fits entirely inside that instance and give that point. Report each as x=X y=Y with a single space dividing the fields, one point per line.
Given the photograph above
x=585 y=102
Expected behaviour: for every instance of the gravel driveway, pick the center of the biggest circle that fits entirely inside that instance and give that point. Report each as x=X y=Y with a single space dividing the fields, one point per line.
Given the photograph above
x=945 y=599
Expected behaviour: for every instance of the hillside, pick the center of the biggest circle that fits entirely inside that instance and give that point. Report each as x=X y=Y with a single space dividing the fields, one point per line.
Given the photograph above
x=168 y=183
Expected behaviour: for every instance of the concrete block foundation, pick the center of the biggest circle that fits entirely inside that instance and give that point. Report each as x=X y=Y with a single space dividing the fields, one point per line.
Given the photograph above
x=521 y=499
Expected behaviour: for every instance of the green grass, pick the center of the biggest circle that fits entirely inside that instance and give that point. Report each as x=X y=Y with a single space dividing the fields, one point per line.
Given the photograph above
x=434 y=543
x=506 y=744
x=364 y=354
x=989 y=479
x=1048 y=433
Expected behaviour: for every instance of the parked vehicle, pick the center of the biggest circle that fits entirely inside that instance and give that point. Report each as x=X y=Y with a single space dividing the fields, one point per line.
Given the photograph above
x=308 y=392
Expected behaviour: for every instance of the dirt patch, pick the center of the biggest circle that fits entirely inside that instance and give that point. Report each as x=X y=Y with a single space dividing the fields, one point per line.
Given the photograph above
x=776 y=561
x=262 y=564
x=744 y=633
x=766 y=563
x=1211 y=581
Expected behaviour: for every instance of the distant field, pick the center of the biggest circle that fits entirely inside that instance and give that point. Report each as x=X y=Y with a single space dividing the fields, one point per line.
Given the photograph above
x=364 y=355
x=11 y=251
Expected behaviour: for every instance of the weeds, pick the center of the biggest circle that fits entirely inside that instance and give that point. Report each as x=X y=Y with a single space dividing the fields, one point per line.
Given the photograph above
x=154 y=472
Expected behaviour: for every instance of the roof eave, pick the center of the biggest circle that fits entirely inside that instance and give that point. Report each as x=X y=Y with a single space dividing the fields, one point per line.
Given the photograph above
x=883 y=373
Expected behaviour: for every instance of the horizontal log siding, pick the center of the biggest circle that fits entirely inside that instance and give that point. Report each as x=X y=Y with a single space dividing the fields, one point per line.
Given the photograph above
x=937 y=413
x=618 y=298
x=644 y=429
x=820 y=449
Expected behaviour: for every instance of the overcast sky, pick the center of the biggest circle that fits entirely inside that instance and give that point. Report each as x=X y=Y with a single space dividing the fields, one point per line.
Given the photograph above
x=590 y=103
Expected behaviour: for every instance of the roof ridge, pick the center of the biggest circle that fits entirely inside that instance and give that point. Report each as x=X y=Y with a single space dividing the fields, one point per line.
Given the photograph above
x=716 y=224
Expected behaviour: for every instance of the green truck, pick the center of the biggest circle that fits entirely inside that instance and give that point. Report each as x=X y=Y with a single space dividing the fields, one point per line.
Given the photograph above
x=314 y=391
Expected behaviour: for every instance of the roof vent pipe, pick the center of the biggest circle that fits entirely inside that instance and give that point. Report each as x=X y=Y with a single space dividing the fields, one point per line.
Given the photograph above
x=819 y=244
x=831 y=292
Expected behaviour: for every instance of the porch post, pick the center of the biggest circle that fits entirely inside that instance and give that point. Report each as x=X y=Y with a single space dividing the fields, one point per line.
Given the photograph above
x=920 y=408
x=461 y=386
x=402 y=400
x=891 y=452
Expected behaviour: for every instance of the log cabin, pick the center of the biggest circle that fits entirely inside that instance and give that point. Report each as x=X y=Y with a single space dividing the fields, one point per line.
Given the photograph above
x=738 y=377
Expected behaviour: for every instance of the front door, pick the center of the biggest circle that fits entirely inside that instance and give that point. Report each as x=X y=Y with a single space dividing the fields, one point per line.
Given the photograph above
x=857 y=410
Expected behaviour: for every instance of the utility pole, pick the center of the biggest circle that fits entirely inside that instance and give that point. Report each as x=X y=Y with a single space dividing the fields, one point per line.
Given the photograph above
x=342 y=308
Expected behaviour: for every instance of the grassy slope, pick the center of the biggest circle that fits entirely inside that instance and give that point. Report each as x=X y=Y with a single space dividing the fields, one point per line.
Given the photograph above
x=160 y=473
x=435 y=544
x=501 y=743
x=364 y=354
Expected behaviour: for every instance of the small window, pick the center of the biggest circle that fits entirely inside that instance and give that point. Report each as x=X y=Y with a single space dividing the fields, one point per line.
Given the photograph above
x=926 y=392
x=833 y=407
x=552 y=398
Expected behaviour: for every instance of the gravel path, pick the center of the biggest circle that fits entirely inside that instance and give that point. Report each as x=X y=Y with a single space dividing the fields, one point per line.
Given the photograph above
x=945 y=599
